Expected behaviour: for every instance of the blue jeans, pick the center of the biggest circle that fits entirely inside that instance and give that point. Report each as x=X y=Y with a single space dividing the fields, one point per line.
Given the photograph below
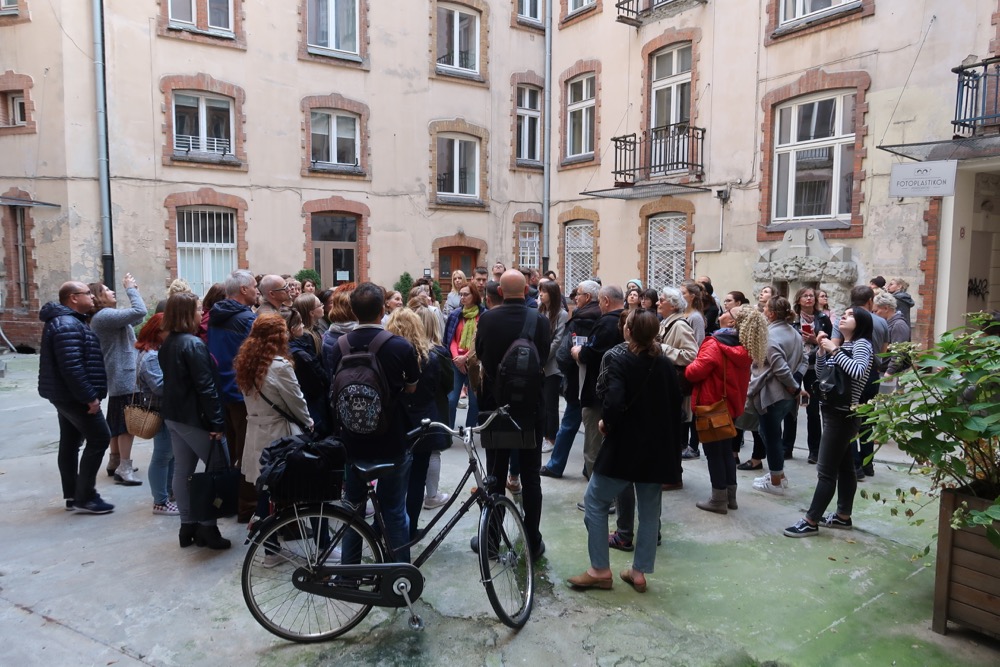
x=472 y=415
x=79 y=472
x=770 y=433
x=570 y=426
x=600 y=492
x=391 y=492
x=161 y=467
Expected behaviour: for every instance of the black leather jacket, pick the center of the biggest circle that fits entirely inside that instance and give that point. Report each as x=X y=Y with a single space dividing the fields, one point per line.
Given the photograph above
x=190 y=393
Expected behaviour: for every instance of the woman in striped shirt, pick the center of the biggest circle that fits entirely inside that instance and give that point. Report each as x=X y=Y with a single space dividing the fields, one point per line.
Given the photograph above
x=835 y=467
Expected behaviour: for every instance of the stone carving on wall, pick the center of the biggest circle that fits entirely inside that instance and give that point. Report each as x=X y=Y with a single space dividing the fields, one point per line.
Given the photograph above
x=804 y=257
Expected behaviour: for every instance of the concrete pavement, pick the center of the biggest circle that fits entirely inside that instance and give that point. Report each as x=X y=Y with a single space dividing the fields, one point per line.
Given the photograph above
x=728 y=590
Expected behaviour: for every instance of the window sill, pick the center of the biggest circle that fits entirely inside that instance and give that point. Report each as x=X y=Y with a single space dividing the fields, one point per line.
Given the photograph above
x=521 y=163
x=460 y=75
x=9 y=12
x=195 y=30
x=576 y=13
x=331 y=169
x=577 y=159
x=458 y=202
x=333 y=54
x=228 y=160
x=805 y=22
x=530 y=24
x=812 y=223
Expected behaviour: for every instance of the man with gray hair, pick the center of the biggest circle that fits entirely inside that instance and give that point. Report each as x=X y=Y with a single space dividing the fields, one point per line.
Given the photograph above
x=229 y=325
x=899 y=332
x=274 y=295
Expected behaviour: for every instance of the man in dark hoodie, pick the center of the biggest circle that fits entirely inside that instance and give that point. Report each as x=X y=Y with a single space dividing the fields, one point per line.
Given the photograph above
x=71 y=376
x=229 y=325
x=897 y=287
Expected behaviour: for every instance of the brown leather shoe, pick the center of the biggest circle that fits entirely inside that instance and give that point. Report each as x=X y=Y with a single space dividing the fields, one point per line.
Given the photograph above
x=626 y=576
x=585 y=581
x=673 y=487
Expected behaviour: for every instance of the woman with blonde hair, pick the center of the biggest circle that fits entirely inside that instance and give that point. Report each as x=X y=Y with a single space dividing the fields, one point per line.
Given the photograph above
x=453 y=301
x=310 y=309
x=722 y=368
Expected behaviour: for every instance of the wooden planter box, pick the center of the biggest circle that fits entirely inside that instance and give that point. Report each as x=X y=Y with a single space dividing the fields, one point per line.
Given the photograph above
x=967 y=578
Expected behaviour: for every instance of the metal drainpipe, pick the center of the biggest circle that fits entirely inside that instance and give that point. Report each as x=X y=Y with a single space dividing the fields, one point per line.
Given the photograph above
x=547 y=148
x=103 y=176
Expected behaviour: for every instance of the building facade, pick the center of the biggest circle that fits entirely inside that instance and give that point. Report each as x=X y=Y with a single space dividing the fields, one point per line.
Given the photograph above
x=361 y=138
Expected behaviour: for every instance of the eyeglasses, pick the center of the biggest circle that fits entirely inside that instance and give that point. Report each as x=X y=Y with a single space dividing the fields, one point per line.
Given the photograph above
x=465 y=293
x=281 y=289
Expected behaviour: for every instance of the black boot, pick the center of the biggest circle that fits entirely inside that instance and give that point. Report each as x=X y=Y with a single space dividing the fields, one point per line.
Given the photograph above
x=209 y=536
x=186 y=536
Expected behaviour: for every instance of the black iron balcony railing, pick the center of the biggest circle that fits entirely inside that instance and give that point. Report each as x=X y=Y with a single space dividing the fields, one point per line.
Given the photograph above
x=977 y=98
x=660 y=152
x=632 y=12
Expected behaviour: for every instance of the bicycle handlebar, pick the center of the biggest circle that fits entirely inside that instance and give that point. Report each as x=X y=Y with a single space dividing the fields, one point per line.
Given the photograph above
x=427 y=424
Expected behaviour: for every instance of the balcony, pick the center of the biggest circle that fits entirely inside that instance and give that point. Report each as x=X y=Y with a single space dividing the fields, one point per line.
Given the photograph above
x=977 y=98
x=637 y=12
x=671 y=150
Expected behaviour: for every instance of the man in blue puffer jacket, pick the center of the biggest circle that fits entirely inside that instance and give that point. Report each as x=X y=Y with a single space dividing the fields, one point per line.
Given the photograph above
x=71 y=376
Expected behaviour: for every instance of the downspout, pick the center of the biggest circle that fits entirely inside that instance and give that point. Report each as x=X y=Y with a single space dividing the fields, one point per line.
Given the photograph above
x=103 y=175
x=547 y=148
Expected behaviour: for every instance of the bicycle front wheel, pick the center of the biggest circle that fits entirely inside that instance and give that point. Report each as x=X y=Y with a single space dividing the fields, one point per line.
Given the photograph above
x=505 y=561
x=306 y=537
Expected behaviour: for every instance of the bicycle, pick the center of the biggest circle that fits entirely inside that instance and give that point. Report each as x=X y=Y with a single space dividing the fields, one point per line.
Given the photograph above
x=313 y=571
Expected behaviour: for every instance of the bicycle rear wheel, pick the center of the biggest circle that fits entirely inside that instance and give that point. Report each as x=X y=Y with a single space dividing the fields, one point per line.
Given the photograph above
x=306 y=536
x=505 y=562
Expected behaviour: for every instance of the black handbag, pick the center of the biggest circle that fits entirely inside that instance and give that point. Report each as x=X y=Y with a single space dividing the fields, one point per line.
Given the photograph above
x=214 y=493
x=834 y=385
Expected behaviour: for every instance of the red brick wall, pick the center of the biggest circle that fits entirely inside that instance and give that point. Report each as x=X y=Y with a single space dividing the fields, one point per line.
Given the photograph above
x=923 y=328
x=340 y=205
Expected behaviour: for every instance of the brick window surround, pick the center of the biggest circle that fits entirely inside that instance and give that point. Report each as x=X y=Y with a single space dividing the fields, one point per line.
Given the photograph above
x=15 y=15
x=536 y=81
x=522 y=23
x=203 y=83
x=531 y=217
x=204 y=197
x=575 y=214
x=480 y=78
x=566 y=19
x=658 y=207
x=579 y=68
x=459 y=126
x=460 y=240
x=814 y=81
x=200 y=32
x=16 y=84
x=336 y=102
x=329 y=57
x=340 y=205
x=923 y=329
x=776 y=33
x=11 y=261
x=668 y=38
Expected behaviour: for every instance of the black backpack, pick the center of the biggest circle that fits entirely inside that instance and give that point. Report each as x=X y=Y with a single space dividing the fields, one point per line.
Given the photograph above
x=834 y=385
x=519 y=378
x=361 y=398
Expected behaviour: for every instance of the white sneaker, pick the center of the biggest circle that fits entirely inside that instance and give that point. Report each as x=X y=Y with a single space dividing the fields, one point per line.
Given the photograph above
x=764 y=484
x=784 y=480
x=272 y=560
x=548 y=447
x=433 y=502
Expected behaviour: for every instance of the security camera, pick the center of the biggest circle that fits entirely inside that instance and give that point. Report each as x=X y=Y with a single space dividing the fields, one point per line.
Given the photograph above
x=722 y=195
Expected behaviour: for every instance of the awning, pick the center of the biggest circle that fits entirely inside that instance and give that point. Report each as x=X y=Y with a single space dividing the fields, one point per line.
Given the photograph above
x=17 y=201
x=646 y=191
x=963 y=148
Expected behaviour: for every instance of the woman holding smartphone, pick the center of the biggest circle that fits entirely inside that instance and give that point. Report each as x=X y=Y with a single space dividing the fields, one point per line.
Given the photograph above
x=809 y=321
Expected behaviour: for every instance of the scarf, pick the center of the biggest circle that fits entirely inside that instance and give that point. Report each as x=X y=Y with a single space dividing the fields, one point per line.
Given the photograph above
x=468 y=339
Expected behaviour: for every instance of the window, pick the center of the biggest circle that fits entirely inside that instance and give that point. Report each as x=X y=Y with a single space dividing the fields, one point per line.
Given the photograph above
x=792 y=10
x=530 y=9
x=528 y=121
x=670 y=109
x=666 y=250
x=457 y=39
x=579 y=253
x=335 y=247
x=529 y=245
x=183 y=11
x=8 y=5
x=814 y=158
x=335 y=138
x=458 y=166
x=16 y=107
x=218 y=14
x=333 y=24
x=21 y=253
x=206 y=245
x=580 y=116
x=575 y=5
x=202 y=124
x=16 y=110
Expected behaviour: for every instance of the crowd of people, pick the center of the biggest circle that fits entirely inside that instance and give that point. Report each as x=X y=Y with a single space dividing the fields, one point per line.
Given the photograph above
x=256 y=359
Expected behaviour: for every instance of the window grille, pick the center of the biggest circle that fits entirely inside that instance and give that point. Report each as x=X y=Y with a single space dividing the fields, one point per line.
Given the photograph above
x=579 y=253
x=529 y=246
x=666 y=251
x=206 y=246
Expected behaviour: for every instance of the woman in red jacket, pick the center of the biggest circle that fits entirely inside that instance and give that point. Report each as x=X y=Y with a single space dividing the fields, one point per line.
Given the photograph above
x=727 y=353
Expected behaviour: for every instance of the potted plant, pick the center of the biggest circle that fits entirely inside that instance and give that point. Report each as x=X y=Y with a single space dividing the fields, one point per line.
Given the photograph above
x=945 y=413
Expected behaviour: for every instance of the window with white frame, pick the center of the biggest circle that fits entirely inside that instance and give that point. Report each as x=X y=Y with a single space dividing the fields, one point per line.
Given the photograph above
x=8 y=5
x=792 y=10
x=529 y=117
x=335 y=138
x=457 y=38
x=578 y=253
x=814 y=157
x=580 y=112
x=218 y=12
x=666 y=250
x=670 y=108
x=333 y=24
x=202 y=123
x=206 y=245
x=183 y=11
x=574 y=5
x=529 y=245
x=530 y=9
x=457 y=166
x=16 y=111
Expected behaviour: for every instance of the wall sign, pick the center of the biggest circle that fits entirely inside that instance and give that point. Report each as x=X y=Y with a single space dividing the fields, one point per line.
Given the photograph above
x=923 y=179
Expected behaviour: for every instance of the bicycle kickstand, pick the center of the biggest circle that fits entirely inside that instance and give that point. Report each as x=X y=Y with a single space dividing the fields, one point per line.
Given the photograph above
x=402 y=588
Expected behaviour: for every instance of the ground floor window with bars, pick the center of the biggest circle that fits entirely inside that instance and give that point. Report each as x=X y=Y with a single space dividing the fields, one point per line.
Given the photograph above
x=206 y=245
x=529 y=245
x=578 y=254
x=666 y=251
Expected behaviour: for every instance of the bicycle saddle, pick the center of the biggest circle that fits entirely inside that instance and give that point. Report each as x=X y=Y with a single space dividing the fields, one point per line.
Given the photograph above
x=372 y=471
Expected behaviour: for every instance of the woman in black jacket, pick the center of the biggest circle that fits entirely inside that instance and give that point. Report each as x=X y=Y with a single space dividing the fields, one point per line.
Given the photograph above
x=192 y=412
x=641 y=395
